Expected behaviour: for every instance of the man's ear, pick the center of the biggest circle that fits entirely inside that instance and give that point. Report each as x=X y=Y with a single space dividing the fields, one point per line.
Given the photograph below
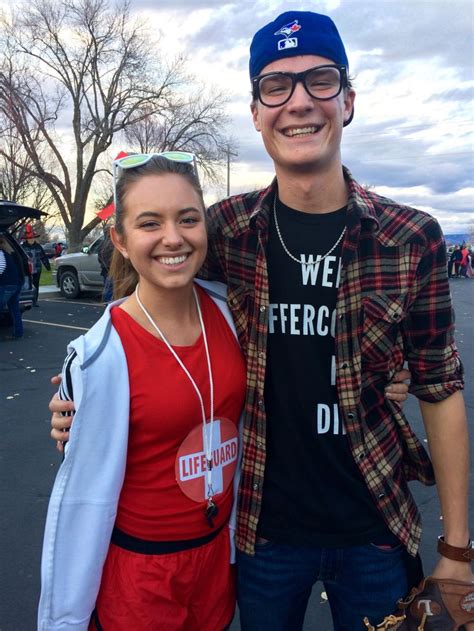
x=119 y=242
x=349 y=98
x=255 y=116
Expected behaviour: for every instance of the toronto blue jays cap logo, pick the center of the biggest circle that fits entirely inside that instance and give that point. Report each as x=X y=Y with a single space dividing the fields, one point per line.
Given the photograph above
x=287 y=31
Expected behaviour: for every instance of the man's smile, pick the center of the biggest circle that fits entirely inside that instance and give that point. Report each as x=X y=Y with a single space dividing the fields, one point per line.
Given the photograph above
x=303 y=130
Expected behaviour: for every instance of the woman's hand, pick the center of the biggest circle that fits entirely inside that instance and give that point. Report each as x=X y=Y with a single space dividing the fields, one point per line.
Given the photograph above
x=60 y=423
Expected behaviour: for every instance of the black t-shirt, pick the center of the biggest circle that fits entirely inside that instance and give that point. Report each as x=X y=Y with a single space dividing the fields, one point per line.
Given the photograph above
x=313 y=491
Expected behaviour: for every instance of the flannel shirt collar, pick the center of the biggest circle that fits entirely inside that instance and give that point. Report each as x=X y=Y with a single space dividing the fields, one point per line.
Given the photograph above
x=359 y=203
x=254 y=210
x=360 y=208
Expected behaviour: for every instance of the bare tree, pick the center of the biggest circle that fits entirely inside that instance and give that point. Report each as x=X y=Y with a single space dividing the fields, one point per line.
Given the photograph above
x=84 y=68
x=16 y=180
x=193 y=123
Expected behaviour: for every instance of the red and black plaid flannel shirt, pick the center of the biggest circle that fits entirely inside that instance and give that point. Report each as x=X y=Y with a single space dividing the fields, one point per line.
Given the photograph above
x=393 y=306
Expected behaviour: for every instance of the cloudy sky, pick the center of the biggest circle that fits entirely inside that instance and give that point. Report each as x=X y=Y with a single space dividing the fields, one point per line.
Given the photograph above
x=413 y=69
x=412 y=62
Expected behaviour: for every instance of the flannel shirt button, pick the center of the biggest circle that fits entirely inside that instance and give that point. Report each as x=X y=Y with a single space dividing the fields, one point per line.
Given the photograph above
x=259 y=445
x=345 y=365
x=362 y=455
x=261 y=355
x=262 y=308
x=381 y=495
x=255 y=487
x=261 y=404
x=340 y=316
x=351 y=416
x=396 y=315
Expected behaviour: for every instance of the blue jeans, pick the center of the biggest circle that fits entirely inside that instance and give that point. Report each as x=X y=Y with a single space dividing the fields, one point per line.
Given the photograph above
x=10 y=296
x=274 y=586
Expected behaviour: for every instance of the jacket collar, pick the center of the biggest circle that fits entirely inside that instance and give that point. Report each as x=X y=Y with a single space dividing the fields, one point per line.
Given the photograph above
x=90 y=345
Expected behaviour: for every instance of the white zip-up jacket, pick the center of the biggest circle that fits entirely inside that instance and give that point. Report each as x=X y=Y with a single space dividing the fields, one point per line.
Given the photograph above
x=84 y=499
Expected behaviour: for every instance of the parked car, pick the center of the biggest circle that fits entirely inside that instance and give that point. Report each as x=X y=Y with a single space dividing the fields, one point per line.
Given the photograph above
x=12 y=216
x=50 y=248
x=79 y=271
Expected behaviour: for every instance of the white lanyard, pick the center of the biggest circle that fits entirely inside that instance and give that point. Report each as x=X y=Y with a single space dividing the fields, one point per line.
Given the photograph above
x=207 y=443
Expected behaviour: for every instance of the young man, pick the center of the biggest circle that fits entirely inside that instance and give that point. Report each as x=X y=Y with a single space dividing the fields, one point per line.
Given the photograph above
x=332 y=288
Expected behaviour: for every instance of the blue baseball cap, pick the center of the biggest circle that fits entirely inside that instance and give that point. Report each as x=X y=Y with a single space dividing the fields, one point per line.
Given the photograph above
x=296 y=33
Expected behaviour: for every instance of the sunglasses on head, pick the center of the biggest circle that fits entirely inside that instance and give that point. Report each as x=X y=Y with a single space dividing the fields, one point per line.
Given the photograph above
x=139 y=159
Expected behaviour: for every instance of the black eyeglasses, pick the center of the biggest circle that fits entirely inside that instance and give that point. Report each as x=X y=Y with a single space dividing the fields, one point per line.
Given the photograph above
x=321 y=82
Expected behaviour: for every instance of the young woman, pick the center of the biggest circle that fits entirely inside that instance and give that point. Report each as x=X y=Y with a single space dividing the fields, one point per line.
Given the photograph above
x=137 y=533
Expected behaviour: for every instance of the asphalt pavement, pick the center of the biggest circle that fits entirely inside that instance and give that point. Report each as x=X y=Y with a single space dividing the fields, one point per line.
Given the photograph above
x=29 y=462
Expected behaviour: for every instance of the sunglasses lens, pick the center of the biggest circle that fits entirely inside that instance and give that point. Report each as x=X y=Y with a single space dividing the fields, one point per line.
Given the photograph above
x=178 y=156
x=133 y=161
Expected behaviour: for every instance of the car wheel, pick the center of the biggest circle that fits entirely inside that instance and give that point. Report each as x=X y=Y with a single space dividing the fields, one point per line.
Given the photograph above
x=69 y=285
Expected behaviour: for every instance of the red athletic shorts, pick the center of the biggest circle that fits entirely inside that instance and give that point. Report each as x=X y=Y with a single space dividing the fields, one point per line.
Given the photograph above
x=191 y=590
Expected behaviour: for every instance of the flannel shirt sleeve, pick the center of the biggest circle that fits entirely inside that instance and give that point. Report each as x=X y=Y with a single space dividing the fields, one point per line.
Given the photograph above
x=214 y=267
x=432 y=355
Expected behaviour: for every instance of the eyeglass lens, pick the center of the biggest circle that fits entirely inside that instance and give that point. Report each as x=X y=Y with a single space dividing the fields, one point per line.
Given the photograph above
x=320 y=83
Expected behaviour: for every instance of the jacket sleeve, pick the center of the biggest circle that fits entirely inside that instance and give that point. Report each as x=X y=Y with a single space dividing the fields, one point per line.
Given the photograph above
x=66 y=392
x=3 y=262
x=44 y=259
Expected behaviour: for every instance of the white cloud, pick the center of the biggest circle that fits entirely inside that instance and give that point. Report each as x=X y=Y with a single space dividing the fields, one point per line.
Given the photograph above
x=412 y=63
x=412 y=60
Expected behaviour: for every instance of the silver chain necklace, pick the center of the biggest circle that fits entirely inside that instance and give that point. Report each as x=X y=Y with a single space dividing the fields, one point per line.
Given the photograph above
x=300 y=260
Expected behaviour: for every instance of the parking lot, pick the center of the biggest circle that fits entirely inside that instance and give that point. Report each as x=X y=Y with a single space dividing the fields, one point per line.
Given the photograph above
x=29 y=462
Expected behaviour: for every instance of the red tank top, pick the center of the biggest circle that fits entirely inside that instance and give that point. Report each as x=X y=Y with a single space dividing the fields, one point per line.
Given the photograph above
x=163 y=497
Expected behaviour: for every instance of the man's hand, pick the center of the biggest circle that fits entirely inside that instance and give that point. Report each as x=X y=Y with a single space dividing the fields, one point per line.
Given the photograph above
x=445 y=568
x=60 y=424
x=448 y=440
x=397 y=390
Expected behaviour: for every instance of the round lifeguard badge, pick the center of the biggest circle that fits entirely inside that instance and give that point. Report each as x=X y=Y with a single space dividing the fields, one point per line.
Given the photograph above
x=191 y=464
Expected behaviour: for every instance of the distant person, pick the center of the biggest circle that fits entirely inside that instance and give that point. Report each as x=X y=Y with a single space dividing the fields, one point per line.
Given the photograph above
x=11 y=282
x=58 y=249
x=457 y=256
x=470 y=264
x=464 y=261
x=450 y=263
x=38 y=258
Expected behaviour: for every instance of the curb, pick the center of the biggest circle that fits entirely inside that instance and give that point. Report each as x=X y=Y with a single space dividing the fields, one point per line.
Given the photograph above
x=49 y=289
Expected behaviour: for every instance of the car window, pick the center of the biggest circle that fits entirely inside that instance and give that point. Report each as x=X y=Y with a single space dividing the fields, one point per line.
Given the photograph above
x=95 y=247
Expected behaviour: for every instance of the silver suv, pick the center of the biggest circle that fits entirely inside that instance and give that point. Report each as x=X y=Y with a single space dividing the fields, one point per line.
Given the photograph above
x=80 y=271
